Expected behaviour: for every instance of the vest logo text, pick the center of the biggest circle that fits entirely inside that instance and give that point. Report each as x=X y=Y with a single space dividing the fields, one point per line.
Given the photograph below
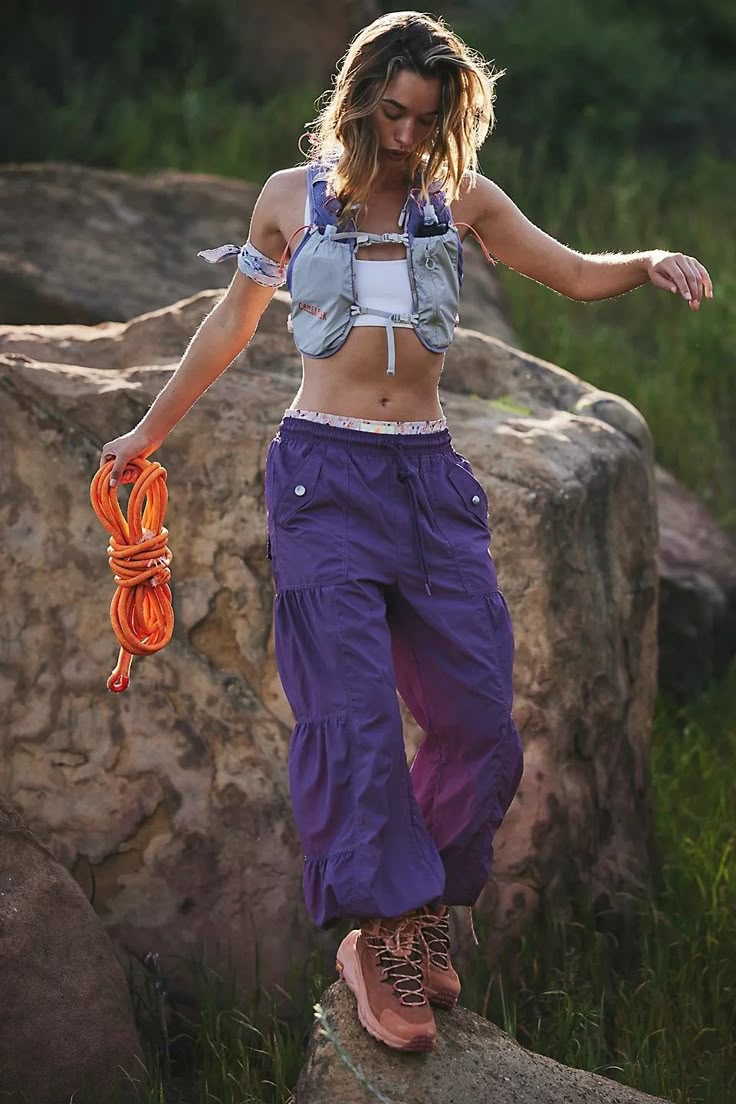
x=311 y=309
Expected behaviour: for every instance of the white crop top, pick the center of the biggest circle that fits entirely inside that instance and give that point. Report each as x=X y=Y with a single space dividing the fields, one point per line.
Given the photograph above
x=382 y=285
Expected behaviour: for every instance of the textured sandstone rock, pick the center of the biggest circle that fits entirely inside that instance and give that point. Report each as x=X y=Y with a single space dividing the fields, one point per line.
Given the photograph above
x=176 y=792
x=65 y=1012
x=87 y=245
x=473 y=1061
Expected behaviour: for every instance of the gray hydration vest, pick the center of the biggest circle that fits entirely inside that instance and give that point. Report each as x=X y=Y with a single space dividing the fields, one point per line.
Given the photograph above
x=321 y=273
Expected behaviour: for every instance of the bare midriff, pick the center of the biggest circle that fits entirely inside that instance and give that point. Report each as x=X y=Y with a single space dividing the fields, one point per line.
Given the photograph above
x=353 y=382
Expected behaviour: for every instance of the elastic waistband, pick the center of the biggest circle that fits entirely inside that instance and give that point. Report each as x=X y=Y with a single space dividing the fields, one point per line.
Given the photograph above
x=438 y=441
x=368 y=425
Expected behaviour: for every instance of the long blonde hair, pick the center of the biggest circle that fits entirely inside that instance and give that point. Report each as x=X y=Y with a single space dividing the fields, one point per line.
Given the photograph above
x=342 y=133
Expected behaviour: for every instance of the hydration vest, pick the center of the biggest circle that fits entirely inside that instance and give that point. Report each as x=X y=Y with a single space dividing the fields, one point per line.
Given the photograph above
x=321 y=273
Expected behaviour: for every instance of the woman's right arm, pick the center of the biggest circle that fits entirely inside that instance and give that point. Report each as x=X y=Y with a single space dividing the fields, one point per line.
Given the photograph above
x=223 y=334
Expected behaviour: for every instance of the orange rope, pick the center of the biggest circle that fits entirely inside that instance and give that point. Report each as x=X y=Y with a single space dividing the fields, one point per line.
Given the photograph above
x=141 y=613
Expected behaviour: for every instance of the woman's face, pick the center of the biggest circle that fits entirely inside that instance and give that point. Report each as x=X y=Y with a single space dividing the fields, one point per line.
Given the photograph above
x=406 y=115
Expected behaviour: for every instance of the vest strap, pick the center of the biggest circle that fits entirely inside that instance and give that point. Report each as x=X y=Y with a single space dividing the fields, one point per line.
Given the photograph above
x=306 y=226
x=482 y=244
x=363 y=237
x=388 y=321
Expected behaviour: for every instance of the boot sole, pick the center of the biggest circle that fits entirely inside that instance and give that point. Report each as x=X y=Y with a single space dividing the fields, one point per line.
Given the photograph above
x=349 y=971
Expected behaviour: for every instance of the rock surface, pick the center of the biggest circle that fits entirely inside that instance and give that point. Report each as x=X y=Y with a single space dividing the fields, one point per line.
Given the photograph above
x=473 y=1062
x=65 y=1012
x=175 y=793
x=89 y=245
x=697 y=572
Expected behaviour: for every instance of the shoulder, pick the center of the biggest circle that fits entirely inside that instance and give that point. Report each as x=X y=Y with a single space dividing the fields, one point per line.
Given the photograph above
x=477 y=196
x=285 y=185
x=279 y=208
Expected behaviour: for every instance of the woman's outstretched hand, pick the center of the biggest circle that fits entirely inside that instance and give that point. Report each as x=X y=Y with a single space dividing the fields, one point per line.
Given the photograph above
x=678 y=273
x=123 y=449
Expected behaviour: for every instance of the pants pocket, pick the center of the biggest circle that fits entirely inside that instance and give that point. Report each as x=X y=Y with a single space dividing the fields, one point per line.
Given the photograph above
x=460 y=506
x=306 y=518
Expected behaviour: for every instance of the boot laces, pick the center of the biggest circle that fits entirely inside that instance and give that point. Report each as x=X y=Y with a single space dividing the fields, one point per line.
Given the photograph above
x=399 y=953
x=436 y=931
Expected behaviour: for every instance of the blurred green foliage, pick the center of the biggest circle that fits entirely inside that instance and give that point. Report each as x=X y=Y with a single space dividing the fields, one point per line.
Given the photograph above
x=622 y=74
x=158 y=83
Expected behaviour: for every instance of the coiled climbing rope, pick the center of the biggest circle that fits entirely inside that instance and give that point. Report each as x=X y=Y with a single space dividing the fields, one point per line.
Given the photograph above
x=141 y=612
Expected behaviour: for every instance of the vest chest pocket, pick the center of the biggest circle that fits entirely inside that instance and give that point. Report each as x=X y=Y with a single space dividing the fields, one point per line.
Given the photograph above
x=321 y=295
x=435 y=267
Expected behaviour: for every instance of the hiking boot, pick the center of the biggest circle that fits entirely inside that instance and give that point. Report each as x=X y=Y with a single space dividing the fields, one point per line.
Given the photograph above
x=383 y=963
x=442 y=985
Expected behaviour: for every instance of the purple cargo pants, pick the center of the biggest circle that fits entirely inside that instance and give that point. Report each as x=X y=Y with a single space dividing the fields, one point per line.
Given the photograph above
x=384 y=580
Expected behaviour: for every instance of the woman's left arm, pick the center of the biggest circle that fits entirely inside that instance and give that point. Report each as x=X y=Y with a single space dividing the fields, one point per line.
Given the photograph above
x=517 y=242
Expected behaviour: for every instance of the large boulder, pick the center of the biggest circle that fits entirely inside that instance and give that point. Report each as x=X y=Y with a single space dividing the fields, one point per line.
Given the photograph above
x=697 y=572
x=66 y=1021
x=175 y=793
x=88 y=245
x=473 y=1061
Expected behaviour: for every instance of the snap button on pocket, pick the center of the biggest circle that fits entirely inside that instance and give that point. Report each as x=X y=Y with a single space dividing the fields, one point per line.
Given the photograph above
x=309 y=526
x=302 y=492
x=470 y=490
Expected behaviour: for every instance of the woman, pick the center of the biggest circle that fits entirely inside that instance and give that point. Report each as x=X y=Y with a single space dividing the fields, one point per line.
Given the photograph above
x=377 y=527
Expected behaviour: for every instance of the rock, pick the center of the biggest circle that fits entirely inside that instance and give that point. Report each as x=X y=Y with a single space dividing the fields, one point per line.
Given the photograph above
x=89 y=245
x=697 y=571
x=175 y=794
x=65 y=1012
x=473 y=1061
x=617 y=412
